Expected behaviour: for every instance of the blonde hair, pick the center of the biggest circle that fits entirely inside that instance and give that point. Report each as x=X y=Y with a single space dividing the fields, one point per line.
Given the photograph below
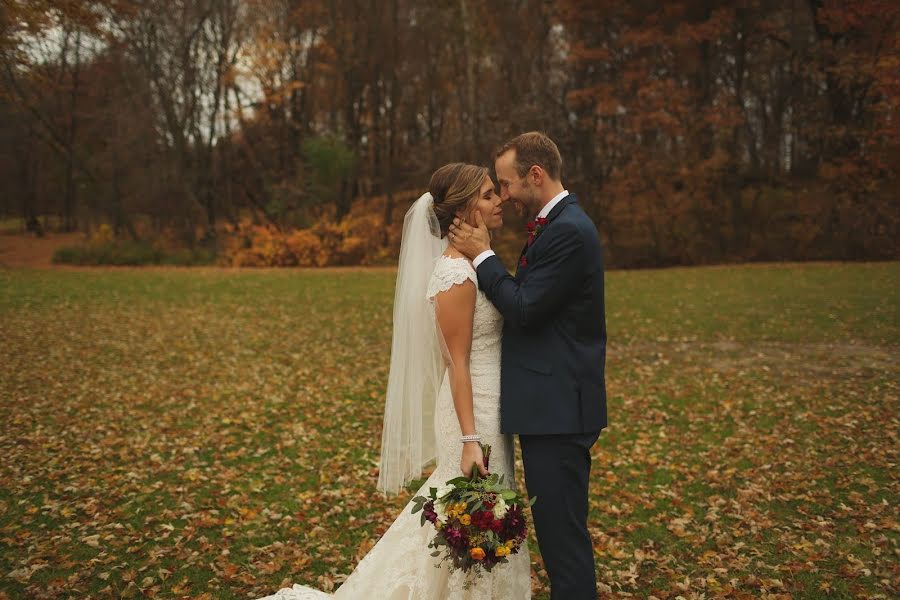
x=453 y=186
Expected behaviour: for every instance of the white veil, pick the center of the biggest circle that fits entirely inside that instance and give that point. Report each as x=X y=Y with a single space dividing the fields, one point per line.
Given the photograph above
x=407 y=439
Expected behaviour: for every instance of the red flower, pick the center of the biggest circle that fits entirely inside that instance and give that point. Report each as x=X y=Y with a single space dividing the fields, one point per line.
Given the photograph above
x=456 y=538
x=483 y=520
x=514 y=523
x=429 y=511
x=534 y=228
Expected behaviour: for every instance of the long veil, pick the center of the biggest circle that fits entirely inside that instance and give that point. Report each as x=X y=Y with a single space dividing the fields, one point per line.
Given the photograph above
x=408 y=439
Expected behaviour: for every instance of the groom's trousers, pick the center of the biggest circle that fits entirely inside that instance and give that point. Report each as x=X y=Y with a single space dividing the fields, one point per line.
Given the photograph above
x=557 y=470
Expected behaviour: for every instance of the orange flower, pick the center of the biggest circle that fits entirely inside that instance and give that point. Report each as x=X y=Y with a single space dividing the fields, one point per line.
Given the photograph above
x=476 y=553
x=465 y=520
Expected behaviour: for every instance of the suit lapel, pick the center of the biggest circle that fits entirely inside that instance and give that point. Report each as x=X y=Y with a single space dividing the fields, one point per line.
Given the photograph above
x=570 y=199
x=524 y=250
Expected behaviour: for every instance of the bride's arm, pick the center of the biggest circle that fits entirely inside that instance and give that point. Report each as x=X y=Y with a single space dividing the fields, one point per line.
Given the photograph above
x=455 y=311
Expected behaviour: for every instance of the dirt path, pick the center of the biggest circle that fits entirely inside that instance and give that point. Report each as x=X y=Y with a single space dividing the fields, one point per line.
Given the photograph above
x=22 y=250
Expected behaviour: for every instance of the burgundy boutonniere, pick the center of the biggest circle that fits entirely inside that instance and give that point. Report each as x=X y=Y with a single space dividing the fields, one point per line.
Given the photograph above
x=534 y=228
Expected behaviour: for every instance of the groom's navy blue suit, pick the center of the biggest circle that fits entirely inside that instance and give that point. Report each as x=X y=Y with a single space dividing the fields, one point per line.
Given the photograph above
x=553 y=390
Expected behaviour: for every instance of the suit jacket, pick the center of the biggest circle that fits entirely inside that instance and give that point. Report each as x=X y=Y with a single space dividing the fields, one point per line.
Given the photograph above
x=554 y=331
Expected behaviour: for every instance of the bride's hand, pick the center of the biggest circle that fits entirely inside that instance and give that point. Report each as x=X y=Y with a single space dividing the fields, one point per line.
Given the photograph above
x=472 y=454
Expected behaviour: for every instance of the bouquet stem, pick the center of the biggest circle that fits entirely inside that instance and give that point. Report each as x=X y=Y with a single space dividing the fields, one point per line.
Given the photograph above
x=486 y=451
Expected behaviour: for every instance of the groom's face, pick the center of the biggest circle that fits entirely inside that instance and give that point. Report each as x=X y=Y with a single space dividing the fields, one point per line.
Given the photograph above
x=513 y=188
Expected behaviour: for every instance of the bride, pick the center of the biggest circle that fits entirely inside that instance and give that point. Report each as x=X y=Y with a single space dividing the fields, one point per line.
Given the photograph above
x=443 y=398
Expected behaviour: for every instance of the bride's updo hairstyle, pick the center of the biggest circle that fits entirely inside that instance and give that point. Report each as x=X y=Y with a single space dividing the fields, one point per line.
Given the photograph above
x=453 y=186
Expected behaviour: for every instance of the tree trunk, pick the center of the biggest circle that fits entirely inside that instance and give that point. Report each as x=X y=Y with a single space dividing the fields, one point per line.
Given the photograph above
x=29 y=193
x=394 y=97
x=69 y=199
x=468 y=122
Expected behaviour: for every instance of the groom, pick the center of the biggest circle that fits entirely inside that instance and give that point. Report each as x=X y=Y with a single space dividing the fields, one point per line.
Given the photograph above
x=553 y=390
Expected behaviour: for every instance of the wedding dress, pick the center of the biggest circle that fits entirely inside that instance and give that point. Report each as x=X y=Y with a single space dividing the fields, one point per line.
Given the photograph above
x=400 y=565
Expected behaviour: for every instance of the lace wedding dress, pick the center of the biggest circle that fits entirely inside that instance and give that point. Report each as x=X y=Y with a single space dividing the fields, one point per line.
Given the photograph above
x=399 y=566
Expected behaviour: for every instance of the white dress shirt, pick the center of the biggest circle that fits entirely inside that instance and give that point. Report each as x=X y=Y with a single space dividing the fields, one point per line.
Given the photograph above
x=541 y=215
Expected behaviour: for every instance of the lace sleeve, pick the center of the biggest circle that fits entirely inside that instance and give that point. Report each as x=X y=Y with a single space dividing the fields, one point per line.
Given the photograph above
x=449 y=272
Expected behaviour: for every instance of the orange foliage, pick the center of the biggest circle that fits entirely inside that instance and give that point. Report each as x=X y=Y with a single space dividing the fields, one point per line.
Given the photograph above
x=359 y=239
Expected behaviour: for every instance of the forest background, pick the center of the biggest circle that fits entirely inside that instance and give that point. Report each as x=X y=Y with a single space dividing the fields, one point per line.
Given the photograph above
x=287 y=132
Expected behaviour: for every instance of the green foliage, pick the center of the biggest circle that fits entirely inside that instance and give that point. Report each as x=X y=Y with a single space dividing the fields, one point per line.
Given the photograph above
x=186 y=257
x=329 y=161
x=109 y=253
x=130 y=253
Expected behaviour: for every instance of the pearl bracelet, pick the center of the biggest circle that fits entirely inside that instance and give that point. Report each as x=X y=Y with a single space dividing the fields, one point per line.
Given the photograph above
x=470 y=438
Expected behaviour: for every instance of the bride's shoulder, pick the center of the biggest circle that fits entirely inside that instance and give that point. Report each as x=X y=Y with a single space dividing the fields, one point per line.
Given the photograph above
x=450 y=268
x=453 y=260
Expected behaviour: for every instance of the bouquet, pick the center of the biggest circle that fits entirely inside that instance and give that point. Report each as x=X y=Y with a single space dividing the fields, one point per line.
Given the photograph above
x=479 y=521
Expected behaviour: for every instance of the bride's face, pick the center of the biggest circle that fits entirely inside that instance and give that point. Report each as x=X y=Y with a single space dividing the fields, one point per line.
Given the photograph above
x=489 y=204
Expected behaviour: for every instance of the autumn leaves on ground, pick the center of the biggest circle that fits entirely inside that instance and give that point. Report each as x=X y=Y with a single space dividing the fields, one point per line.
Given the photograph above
x=211 y=433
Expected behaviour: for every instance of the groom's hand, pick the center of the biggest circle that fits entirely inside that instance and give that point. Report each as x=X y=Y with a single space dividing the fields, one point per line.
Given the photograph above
x=469 y=240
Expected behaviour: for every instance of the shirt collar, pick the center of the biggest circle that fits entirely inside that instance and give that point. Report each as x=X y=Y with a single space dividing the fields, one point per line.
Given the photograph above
x=549 y=206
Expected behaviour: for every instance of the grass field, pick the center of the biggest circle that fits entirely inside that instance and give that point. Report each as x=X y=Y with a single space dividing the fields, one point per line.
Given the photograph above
x=212 y=433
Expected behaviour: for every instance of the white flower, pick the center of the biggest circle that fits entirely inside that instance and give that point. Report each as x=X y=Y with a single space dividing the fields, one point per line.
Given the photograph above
x=439 y=511
x=440 y=505
x=500 y=508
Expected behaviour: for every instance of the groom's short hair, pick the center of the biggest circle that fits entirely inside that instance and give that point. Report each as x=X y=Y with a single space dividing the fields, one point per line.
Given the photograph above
x=534 y=148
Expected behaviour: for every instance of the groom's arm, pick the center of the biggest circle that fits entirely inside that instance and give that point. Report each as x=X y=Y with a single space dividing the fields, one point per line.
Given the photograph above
x=551 y=280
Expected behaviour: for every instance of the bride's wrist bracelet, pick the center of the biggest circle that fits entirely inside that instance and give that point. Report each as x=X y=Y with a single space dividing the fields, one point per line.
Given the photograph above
x=470 y=438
